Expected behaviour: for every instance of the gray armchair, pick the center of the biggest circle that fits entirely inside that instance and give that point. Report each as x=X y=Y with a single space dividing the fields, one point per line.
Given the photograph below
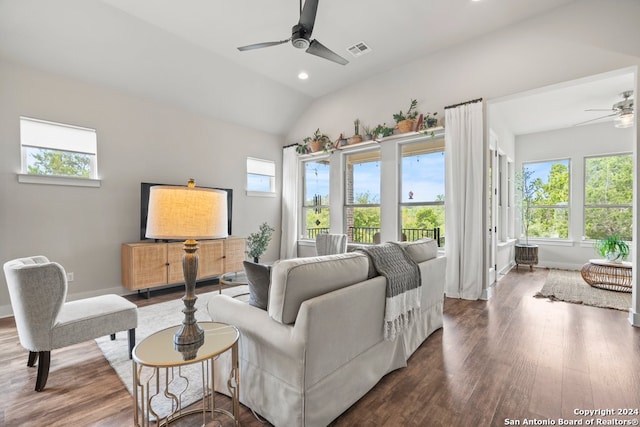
x=38 y=290
x=330 y=244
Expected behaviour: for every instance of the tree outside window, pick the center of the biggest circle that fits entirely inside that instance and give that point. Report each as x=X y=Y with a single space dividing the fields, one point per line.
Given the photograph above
x=362 y=192
x=549 y=205
x=422 y=191
x=608 y=196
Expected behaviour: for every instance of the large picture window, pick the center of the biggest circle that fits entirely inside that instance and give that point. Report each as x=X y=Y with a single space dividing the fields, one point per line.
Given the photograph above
x=315 y=209
x=422 y=191
x=549 y=207
x=608 y=196
x=362 y=193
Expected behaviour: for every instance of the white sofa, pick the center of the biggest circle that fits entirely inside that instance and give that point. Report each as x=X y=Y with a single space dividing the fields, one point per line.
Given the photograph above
x=319 y=347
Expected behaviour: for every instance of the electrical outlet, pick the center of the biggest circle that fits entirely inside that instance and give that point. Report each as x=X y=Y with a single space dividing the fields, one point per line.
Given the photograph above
x=70 y=277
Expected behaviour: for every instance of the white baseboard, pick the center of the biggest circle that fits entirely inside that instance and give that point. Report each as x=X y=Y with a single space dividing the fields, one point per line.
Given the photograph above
x=634 y=318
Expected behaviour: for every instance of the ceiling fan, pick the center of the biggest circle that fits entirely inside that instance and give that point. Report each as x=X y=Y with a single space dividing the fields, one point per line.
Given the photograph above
x=622 y=109
x=301 y=34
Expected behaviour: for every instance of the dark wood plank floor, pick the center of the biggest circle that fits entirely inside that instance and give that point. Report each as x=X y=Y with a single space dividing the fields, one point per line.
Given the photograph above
x=511 y=358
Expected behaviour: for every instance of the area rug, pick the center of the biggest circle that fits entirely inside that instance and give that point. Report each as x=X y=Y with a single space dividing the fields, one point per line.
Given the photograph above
x=568 y=286
x=153 y=318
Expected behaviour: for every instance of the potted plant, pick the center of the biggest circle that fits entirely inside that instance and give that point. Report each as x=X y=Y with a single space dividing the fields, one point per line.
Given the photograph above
x=258 y=242
x=526 y=187
x=612 y=248
x=430 y=121
x=382 y=131
x=356 y=136
x=368 y=134
x=407 y=121
x=316 y=142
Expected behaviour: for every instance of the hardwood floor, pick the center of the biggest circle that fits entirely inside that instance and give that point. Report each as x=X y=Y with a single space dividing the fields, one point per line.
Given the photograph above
x=511 y=358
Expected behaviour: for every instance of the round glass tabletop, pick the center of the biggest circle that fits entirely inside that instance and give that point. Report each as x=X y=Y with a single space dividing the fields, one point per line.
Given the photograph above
x=235 y=278
x=158 y=349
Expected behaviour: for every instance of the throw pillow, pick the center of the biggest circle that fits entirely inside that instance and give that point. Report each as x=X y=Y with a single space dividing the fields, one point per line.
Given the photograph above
x=421 y=250
x=259 y=279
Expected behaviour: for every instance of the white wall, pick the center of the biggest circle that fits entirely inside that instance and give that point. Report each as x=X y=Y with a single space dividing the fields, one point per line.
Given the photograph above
x=573 y=42
x=138 y=140
x=572 y=143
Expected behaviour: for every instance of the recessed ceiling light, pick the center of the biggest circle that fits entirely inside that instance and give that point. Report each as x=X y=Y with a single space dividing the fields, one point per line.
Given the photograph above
x=303 y=76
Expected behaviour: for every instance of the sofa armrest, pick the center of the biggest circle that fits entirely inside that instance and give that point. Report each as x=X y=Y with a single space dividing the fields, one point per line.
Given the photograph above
x=259 y=333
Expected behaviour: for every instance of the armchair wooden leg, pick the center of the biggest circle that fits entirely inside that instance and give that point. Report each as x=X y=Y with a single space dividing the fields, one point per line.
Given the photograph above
x=33 y=356
x=132 y=340
x=44 y=360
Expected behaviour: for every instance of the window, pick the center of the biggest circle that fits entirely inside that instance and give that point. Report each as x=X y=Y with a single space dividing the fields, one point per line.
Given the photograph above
x=315 y=209
x=422 y=191
x=58 y=150
x=549 y=199
x=261 y=176
x=362 y=194
x=608 y=194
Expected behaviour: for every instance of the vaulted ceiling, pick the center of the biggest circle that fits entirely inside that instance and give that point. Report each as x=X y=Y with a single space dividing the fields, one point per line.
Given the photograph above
x=185 y=52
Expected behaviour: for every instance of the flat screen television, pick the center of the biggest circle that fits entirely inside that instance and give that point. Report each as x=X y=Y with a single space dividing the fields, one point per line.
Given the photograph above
x=145 y=189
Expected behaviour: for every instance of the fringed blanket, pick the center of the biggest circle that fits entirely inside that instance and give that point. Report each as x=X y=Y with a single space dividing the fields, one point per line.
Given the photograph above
x=404 y=286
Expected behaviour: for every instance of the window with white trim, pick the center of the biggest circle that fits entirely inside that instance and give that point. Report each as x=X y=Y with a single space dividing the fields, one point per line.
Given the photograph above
x=608 y=196
x=548 y=212
x=422 y=191
x=261 y=176
x=57 y=149
x=362 y=193
x=315 y=203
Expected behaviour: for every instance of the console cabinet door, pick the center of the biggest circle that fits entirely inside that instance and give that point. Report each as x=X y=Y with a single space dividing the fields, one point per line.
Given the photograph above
x=210 y=259
x=144 y=265
x=234 y=254
x=175 y=273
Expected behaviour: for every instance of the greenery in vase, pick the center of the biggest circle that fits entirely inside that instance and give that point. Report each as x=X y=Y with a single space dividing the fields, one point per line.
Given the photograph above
x=411 y=113
x=356 y=126
x=258 y=242
x=613 y=248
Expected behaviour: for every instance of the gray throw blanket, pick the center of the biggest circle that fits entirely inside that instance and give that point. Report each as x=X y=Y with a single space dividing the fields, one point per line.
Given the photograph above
x=404 y=286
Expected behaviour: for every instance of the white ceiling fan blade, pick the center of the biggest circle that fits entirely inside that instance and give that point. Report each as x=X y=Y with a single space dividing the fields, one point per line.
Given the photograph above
x=593 y=120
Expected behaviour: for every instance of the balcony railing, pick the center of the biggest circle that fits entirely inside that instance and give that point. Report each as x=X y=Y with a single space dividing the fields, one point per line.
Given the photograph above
x=372 y=234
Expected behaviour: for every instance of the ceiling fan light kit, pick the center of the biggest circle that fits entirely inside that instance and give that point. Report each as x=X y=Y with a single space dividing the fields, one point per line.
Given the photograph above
x=622 y=110
x=301 y=36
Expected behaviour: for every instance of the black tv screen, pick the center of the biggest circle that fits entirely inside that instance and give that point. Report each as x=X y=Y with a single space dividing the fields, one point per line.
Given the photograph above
x=145 y=188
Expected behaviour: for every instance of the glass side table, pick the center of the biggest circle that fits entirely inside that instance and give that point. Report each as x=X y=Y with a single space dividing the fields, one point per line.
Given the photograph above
x=236 y=278
x=158 y=374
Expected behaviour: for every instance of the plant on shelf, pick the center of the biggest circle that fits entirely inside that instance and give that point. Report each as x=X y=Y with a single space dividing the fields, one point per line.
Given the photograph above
x=318 y=141
x=368 y=134
x=429 y=121
x=356 y=136
x=406 y=121
x=612 y=248
x=258 y=242
x=382 y=131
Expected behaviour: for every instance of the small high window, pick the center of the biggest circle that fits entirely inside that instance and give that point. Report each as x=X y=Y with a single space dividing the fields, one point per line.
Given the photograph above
x=261 y=176
x=57 y=150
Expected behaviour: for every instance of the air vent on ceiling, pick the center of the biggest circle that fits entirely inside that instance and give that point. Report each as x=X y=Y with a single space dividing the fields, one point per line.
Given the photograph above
x=359 y=49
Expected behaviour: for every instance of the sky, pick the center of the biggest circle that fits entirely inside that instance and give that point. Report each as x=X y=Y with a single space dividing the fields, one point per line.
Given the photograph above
x=423 y=175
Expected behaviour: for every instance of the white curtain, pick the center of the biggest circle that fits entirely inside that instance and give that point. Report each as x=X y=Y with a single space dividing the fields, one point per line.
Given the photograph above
x=464 y=237
x=290 y=181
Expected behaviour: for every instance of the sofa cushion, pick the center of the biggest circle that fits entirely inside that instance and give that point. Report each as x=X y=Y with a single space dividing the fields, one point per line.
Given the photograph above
x=296 y=280
x=421 y=250
x=258 y=279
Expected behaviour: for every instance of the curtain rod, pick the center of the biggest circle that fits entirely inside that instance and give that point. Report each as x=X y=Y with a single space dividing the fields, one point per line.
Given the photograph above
x=290 y=145
x=463 y=103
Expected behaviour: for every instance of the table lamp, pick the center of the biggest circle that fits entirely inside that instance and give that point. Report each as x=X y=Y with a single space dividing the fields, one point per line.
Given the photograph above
x=187 y=213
